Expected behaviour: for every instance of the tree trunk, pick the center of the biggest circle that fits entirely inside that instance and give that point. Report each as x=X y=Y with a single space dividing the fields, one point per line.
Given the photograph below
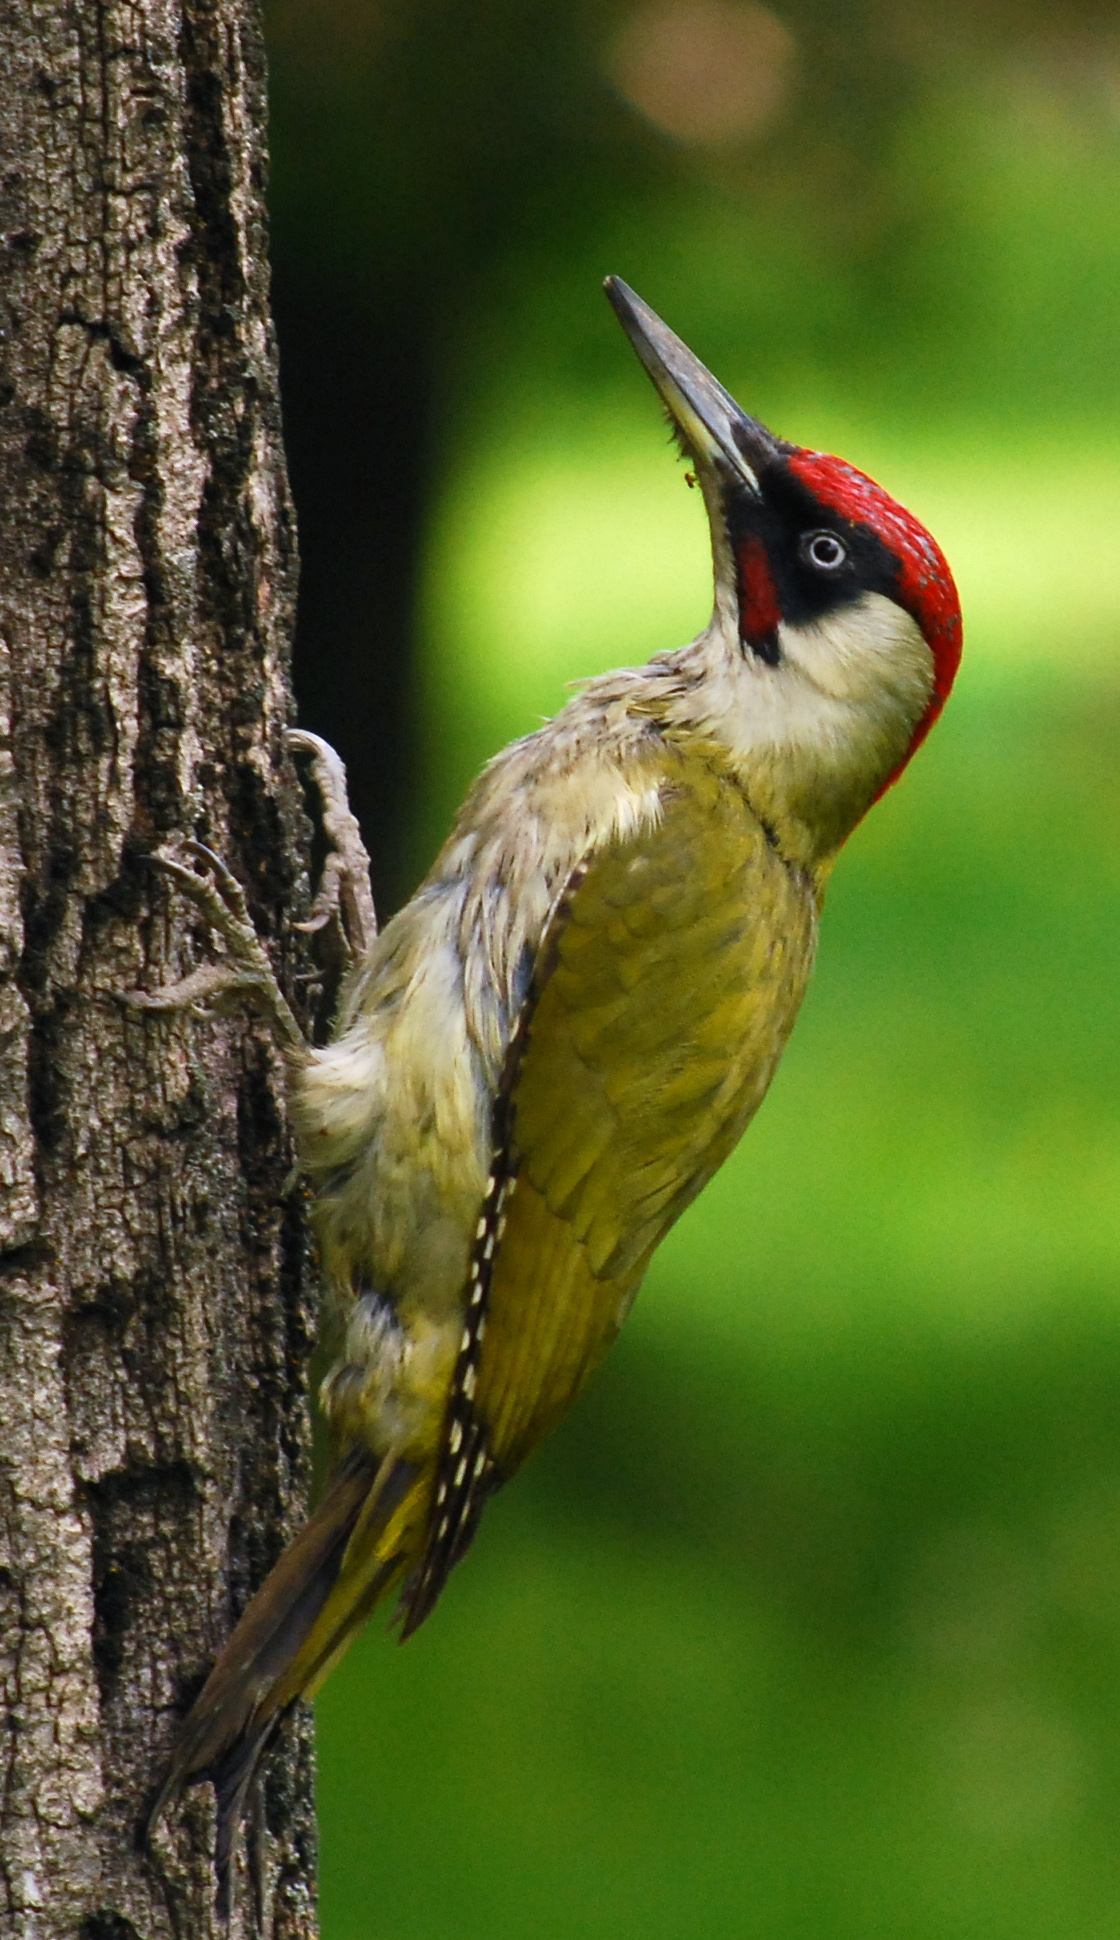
x=154 y=1326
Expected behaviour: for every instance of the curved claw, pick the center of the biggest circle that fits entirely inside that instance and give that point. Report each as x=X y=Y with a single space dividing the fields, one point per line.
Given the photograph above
x=221 y=870
x=314 y=923
x=225 y=882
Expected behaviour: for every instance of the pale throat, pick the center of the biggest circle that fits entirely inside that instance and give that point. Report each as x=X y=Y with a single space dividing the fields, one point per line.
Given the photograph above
x=817 y=736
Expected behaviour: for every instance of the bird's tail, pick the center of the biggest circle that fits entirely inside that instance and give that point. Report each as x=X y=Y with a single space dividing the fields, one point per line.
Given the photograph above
x=358 y=1543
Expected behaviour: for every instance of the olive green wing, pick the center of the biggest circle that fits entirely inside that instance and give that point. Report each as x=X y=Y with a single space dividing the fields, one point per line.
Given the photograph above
x=665 y=989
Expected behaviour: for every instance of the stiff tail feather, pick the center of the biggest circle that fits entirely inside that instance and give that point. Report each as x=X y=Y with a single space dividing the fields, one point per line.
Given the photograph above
x=360 y=1540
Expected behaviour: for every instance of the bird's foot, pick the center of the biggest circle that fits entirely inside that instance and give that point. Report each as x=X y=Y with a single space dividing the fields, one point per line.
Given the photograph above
x=243 y=971
x=342 y=912
x=343 y=902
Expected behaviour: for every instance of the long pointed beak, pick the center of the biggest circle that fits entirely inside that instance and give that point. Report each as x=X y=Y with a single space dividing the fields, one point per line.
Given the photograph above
x=718 y=434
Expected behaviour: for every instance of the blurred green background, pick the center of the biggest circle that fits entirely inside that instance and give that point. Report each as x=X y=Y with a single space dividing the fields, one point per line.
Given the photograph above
x=808 y=1623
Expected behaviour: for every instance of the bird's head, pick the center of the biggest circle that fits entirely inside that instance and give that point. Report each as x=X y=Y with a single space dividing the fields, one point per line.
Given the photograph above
x=836 y=633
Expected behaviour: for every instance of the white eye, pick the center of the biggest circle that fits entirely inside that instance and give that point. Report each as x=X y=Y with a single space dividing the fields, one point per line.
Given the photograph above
x=824 y=551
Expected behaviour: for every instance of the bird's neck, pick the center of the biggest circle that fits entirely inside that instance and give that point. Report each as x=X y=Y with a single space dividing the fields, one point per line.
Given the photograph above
x=813 y=740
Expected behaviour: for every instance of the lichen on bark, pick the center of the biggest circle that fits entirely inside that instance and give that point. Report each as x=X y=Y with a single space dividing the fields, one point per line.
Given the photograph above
x=154 y=1321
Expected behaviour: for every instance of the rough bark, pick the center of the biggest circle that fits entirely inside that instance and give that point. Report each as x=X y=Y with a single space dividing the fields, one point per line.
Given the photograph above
x=153 y=1323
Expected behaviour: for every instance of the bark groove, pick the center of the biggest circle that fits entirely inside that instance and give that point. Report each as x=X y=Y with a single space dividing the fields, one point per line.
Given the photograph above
x=154 y=1324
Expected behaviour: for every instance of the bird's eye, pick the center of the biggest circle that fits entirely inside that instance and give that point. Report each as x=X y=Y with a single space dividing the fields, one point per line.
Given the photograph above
x=824 y=551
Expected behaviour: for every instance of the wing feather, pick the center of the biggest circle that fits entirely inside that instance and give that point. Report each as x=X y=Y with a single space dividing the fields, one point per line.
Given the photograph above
x=664 y=991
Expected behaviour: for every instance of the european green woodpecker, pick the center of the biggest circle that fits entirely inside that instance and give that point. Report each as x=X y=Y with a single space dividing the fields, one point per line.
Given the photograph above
x=547 y=1053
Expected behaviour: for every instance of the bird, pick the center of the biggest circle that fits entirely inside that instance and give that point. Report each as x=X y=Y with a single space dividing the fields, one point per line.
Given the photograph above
x=549 y=1050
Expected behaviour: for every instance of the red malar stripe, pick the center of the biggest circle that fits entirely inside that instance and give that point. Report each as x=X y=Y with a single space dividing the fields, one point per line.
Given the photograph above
x=759 y=612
